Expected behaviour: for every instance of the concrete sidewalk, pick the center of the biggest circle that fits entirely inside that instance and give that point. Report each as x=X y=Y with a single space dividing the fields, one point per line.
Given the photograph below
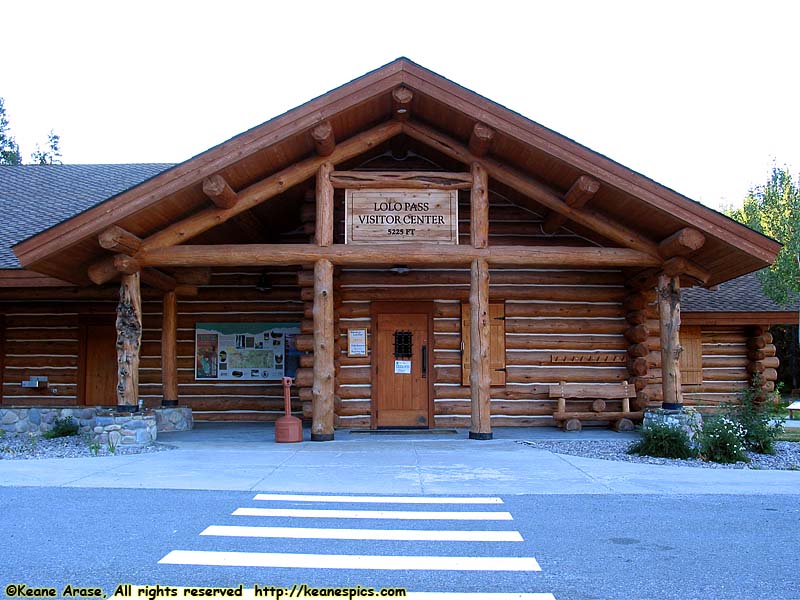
x=244 y=456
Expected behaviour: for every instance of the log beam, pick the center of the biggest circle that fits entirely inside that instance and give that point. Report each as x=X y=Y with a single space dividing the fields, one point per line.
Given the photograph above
x=119 y=240
x=324 y=139
x=324 y=345
x=323 y=234
x=129 y=340
x=220 y=192
x=126 y=265
x=480 y=140
x=255 y=255
x=169 y=353
x=479 y=207
x=539 y=192
x=159 y=280
x=401 y=103
x=681 y=243
x=480 y=375
x=669 y=310
x=414 y=180
x=578 y=195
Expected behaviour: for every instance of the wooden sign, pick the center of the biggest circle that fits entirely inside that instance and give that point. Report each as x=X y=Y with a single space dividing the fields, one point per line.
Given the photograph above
x=396 y=216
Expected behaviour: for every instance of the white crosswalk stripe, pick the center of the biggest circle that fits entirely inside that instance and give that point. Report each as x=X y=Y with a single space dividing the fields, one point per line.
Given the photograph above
x=364 y=534
x=377 y=499
x=389 y=562
x=374 y=514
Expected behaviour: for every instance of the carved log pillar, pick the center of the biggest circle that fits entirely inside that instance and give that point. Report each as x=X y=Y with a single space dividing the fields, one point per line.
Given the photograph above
x=669 y=311
x=169 y=354
x=129 y=340
x=324 y=344
x=480 y=375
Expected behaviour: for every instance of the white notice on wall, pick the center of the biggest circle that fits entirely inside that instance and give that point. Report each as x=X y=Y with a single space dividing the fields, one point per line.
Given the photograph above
x=402 y=366
x=357 y=342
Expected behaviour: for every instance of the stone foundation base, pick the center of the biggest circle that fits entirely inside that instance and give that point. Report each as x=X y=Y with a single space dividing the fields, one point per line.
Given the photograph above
x=104 y=425
x=124 y=430
x=174 y=418
x=689 y=420
x=37 y=420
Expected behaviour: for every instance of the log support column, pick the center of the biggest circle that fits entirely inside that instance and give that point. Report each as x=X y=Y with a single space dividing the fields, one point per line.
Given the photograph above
x=669 y=310
x=480 y=375
x=129 y=340
x=169 y=354
x=324 y=344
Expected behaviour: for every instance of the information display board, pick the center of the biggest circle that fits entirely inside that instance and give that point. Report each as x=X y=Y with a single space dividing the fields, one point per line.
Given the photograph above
x=245 y=351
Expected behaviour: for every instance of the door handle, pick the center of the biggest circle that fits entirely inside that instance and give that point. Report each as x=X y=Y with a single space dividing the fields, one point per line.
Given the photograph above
x=424 y=361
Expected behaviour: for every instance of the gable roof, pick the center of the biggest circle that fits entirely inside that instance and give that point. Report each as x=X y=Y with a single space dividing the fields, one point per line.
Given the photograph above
x=550 y=160
x=743 y=294
x=36 y=197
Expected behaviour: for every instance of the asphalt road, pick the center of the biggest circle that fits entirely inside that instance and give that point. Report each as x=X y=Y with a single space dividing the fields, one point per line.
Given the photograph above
x=609 y=547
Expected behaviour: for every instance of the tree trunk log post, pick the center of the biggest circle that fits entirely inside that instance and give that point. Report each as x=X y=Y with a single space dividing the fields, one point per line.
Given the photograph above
x=220 y=192
x=480 y=375
x=324 y=139
x=324 y=221
x=479 y=207
x=669 y=310
x=169 y=347
x=401 y=103
x=324 y=345
x=129 y=340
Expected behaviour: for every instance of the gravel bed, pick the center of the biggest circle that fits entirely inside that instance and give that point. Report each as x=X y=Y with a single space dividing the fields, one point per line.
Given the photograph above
x=24 y=446
x=786 y=457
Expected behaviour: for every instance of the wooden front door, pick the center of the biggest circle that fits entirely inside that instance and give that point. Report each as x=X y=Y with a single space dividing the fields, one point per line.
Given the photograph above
x=100 y=364
x=402 y=369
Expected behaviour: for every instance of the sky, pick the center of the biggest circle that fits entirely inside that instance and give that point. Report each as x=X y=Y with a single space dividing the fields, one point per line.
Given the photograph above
x=701 y=96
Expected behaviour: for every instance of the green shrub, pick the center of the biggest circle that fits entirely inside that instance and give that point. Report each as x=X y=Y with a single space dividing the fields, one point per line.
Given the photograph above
x=760 y=433
x=663 y=441
x=722 y=441
x=62 y=428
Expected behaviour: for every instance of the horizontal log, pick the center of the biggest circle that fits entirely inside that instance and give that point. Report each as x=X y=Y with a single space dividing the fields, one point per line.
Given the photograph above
x=519 y=408
x=40 y=362
x=550 y=309
x=725 y=349
x=724 y=337
x=564 y=342
x=578 y=195
x=637 y=334
x=411 y=180
x=593 y=416
x=354 y=375
x=304 y=343
x=496 y=293
x=710 y=362
x=589 y=326
x=496 y=421
x=462 y=277
x=324 y=138
x=568 y=374
x=509 y=392
x=346 y=392
x=232 y=255
x=14 y=376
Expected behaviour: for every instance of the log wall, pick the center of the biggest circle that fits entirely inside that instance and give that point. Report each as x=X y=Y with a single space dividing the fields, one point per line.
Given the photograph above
x=43 y=339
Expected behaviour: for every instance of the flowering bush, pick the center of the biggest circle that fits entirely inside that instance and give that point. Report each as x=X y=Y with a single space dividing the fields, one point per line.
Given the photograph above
x=722 y=441
x=756 y=418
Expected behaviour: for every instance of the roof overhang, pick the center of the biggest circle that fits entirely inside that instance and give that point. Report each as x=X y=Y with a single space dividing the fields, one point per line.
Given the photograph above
x=546 y=158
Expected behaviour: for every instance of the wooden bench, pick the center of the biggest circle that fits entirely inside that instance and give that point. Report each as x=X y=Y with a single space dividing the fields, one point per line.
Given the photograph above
x=792 y=408
x=599 y=395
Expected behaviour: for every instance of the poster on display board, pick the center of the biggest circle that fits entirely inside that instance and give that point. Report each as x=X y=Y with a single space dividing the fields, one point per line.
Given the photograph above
x=245 y=351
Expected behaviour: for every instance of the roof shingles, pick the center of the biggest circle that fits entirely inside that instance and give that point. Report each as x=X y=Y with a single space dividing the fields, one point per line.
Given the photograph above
x=36 y=197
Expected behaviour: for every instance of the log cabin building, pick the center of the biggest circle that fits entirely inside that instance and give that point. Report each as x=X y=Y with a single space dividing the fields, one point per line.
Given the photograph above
x=414 y=254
